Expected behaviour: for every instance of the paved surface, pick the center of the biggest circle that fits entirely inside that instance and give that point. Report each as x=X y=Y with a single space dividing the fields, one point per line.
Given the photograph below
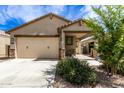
x=90 y=60
x=27 y=73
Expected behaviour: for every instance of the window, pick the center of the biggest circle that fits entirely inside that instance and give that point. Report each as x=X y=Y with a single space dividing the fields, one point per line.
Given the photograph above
x=12 y=41
x=69 y=40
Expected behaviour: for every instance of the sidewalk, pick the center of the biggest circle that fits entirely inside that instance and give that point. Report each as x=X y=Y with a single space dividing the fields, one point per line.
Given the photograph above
x=90 y=60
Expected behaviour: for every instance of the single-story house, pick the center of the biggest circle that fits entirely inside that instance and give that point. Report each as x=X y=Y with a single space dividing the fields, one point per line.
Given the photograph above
x=4 y=44
x=49 y=36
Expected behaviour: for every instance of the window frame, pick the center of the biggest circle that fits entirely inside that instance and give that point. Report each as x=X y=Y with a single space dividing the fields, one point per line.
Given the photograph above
x=67 y=38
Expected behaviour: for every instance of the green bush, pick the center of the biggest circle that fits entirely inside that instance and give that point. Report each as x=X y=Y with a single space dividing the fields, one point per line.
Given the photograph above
x=121 y=68
x=76 y=71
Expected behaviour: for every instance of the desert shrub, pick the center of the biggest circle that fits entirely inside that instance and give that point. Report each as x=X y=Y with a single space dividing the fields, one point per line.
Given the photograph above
x=76 y=71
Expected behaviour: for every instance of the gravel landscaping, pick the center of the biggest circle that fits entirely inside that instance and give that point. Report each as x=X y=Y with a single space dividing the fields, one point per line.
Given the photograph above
x=103 y=80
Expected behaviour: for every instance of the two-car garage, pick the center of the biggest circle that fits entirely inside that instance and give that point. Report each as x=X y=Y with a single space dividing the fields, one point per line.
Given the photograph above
x=37 y=47
x=38 y=38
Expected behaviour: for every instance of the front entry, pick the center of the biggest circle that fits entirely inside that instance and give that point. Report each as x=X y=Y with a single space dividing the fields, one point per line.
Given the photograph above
x=69 y=46
x=91 y=46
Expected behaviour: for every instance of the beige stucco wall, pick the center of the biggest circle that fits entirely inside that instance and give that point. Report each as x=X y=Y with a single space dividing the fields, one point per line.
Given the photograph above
x=78 y=47
x=45 y=26
x=76 y=42
x=77 y=27
x=71 y=31
x=77 y=30
x=37 y=47
x=77 y=35
x=4 y=42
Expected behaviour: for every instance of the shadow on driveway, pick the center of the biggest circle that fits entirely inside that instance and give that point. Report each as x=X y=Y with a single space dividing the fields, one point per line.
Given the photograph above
x=41 y=59
x=50 y=75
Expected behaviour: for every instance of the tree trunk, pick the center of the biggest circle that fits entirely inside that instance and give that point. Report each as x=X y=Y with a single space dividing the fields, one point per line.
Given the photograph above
x=107 y=68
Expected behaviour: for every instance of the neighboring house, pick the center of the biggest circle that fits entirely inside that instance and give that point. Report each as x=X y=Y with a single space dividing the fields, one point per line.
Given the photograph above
x=49 y=36
x=4 y=44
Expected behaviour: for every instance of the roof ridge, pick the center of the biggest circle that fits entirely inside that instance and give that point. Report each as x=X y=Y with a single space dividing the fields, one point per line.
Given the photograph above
x=59 y=16
x=36 y=19
x=70 y=23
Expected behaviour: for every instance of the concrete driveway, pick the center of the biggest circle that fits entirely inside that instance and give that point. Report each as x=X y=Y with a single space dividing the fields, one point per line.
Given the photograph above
x=27 y=73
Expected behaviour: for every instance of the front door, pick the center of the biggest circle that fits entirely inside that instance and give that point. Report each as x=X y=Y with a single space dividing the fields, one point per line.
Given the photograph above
x=91 y=46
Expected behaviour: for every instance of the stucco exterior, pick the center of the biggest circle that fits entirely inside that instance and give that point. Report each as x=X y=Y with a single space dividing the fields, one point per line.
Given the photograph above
x=46 y=26
x=37 y=47
x=45 y=37
x=77 y=29
x=77 y=26
x=4 y=44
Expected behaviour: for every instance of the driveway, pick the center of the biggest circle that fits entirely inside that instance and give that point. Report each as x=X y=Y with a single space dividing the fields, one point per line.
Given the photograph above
x=27 y=73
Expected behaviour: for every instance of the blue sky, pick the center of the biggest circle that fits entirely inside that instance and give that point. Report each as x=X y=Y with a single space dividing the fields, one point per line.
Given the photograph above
x=12 y=16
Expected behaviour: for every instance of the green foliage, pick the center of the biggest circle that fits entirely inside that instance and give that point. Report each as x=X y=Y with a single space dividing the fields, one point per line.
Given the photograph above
x=121 y=68
x=76 y=71
x=108 y=30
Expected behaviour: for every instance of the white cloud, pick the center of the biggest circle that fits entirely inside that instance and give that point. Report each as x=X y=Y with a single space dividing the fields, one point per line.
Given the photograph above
x=28 y=13
x=74 y=13
x=3 y=16
x=56 y=9
x=2 y=19
x=84 y=12
x=88 y=11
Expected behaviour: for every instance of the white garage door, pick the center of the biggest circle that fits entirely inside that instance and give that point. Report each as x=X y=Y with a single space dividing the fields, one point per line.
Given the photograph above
x=37 y=47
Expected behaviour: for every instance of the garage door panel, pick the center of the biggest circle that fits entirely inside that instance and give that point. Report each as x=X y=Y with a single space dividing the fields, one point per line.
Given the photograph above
x=32 y=47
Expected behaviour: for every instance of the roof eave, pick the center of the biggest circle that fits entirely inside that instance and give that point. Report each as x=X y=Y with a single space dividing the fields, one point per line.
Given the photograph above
x=36 y=20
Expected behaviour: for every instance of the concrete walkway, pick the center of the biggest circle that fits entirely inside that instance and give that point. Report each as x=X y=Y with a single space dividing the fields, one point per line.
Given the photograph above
x=27 y=73
x=90 y=60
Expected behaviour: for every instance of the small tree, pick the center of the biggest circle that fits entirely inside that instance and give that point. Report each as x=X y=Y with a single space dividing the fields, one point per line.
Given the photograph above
x=108 y=29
